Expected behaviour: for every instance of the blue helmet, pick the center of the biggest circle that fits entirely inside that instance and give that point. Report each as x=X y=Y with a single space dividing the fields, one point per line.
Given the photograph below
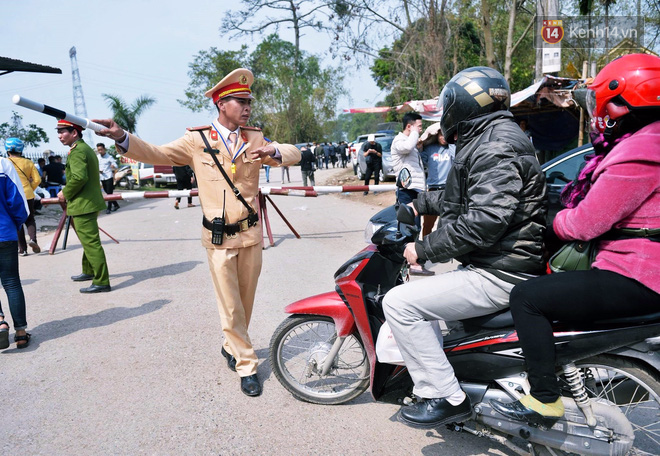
x=14 y=145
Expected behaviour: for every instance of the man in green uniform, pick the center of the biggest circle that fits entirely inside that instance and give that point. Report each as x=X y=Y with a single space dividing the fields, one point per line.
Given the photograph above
x=84 y=201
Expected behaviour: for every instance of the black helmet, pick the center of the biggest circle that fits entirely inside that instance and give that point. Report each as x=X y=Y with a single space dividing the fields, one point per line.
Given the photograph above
x=473 y=92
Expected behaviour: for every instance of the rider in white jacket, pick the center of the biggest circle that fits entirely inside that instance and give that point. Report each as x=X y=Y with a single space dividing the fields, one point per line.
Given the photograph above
x=405 y=155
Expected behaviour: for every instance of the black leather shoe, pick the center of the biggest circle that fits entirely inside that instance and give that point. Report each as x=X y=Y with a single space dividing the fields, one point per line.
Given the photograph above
x=517 y=411
x=96 y=289
x=430 y=413
x=231 y=361
x=250 y=385
x=82 y=277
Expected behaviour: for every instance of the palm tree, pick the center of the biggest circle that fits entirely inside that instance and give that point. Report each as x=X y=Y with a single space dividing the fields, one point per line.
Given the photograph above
x=126 y=116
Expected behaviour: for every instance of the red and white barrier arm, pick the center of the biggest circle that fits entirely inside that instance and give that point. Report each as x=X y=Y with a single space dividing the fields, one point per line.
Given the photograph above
x=287 y=191
x=131 y=195
x=324 y=189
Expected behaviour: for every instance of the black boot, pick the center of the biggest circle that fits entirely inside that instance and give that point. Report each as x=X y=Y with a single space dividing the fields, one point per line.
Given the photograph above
x=516 y=410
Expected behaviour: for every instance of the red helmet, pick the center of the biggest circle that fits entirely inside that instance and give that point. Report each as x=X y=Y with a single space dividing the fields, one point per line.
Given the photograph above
x=629 y=83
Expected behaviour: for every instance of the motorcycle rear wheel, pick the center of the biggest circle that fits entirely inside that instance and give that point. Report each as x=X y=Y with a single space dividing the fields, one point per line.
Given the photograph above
x=631 y=385
x=634 y=388
x=297 y=350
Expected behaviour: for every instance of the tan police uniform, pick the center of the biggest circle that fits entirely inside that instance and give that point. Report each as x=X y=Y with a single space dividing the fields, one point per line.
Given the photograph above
x=235 y=265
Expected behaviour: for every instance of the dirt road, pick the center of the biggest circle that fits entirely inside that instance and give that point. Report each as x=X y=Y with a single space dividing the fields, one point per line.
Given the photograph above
x=139 y=370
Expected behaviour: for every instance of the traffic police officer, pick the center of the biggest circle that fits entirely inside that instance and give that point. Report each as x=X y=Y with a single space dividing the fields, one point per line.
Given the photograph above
x=231 y=232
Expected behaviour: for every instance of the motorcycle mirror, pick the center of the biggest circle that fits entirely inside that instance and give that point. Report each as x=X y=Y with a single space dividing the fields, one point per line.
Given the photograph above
x=580 y=97
x=404 y=179
x=405 y=214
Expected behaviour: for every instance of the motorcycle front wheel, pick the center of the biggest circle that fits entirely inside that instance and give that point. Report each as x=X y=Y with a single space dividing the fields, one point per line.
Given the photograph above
x=298 y=350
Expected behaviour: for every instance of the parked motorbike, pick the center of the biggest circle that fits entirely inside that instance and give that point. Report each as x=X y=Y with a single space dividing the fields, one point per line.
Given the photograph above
x=325 y=353
x=124 y=178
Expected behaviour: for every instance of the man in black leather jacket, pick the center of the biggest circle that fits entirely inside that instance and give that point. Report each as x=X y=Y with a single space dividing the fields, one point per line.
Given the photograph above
x=492 y=220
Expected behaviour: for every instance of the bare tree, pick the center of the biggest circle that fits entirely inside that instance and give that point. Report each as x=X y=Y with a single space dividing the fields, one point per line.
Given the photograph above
x=486 y=25
x=366 y=26
x=261 y=16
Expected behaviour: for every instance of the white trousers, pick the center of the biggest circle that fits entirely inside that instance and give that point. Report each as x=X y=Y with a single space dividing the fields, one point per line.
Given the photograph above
x=409 y=308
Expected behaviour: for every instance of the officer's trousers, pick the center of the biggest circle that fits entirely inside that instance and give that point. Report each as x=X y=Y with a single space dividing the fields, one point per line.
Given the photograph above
x=93 y=260
x=235 y=273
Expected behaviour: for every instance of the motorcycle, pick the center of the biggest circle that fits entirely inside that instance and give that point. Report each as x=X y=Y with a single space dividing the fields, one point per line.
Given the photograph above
x=325 y=353
x=124 y=178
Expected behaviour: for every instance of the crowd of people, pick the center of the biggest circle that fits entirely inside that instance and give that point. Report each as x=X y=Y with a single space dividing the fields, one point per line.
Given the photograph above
x=328 y=153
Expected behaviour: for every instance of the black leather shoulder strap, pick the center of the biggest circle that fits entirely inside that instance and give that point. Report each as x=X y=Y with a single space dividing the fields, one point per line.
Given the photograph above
x=237 y=193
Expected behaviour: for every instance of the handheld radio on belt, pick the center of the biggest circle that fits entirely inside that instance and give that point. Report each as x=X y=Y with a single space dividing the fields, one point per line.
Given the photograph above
x=219 y=224
x=218 y=227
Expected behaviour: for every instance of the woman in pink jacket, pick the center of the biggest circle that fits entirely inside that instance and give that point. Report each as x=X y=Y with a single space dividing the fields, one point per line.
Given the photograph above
x=618 y=188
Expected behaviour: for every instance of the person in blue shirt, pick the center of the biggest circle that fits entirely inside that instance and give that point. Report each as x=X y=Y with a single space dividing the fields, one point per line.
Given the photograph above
x=438 y=157
x=14 y=212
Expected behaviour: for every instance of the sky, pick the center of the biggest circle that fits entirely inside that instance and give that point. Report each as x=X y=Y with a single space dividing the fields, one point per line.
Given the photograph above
x=129 y=48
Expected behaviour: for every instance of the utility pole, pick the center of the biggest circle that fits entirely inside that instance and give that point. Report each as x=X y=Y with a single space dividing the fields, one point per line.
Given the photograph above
x=78 y=98
x=546 y=8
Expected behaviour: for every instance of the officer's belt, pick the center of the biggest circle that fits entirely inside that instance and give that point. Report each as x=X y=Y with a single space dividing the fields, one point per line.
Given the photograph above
x=231 y=229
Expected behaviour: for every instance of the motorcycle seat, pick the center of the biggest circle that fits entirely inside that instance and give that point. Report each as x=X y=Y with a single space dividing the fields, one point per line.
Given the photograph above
x=504 y=319
x=497 y=320
x=634 y=320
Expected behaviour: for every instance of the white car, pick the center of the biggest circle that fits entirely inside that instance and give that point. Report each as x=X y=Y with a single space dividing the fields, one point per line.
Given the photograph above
x=160 y=175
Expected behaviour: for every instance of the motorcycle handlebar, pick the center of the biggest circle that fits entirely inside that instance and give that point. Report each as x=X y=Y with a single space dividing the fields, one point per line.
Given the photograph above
x=405 y=214
x=405 y=234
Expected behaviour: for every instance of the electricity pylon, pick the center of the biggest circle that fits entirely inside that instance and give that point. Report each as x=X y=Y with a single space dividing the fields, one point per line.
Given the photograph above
x=78 y=98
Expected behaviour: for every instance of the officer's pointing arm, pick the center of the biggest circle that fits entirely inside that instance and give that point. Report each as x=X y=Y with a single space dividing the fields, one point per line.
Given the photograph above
x=263 y=152
x=113 y=131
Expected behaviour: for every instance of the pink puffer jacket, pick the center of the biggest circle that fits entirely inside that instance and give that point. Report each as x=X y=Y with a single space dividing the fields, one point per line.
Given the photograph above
x=625 y=194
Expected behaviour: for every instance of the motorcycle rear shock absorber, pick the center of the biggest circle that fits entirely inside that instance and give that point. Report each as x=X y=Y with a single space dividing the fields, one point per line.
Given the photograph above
x=576 y=384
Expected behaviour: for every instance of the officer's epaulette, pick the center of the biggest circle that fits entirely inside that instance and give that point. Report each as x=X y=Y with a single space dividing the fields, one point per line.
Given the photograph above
x=203 y=127
x=251 y=128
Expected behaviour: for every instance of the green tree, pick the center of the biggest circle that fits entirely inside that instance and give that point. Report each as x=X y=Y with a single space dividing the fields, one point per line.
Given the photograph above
x=206 y=69
x=32 y=135
x=420 y=62
x=292 y=106
x=126 y=116
x=350 y=126
x=431 y=40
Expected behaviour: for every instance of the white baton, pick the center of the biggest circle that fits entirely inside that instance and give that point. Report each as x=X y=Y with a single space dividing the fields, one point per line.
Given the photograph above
x=50 y=111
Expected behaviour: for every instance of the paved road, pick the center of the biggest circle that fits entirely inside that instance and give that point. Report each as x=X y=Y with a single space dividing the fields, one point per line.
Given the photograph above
x=139 y=370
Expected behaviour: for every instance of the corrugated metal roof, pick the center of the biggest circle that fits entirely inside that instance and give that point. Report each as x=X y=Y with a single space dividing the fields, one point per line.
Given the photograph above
x=8 y=65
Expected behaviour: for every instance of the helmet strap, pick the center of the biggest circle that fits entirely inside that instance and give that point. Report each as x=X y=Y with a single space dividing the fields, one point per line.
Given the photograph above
x=611 y=130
